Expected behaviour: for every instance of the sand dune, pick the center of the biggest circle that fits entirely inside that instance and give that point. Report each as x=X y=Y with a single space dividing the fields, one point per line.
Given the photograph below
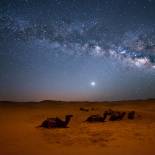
x=19 y=133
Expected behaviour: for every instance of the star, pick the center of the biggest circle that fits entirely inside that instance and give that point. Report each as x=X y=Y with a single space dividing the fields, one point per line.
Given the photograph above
x=93 y=84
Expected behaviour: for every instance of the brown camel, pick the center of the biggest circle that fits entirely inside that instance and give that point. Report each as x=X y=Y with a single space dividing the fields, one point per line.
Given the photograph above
x=131 y=115
x=84 y=109
x=122 y=115
x=96 y=118
x=115 y=116
x=56 y=122
x=109 y=111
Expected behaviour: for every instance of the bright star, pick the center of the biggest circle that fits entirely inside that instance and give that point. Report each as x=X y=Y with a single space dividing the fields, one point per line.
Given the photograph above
x=93 y=83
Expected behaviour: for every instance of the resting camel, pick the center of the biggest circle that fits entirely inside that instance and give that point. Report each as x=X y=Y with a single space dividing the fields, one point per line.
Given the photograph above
x=56 y=122
x=96 y=118
x=115 y=116
x=131 y=115
x=84 y=109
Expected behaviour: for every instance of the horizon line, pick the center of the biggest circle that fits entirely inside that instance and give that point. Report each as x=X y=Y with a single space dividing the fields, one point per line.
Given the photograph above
x=50 y=100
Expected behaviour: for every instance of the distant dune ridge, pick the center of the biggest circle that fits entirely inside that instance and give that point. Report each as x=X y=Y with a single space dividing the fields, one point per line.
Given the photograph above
x=19 y=135
x=57 y=101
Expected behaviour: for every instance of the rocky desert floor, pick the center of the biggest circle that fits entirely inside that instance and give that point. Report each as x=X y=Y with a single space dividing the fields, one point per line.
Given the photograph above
x=19 y=134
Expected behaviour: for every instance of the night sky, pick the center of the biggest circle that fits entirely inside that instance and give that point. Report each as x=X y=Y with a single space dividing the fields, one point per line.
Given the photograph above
x=93 y=50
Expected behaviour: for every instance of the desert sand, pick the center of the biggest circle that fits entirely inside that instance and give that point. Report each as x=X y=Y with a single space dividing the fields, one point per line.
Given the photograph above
x=19 y=134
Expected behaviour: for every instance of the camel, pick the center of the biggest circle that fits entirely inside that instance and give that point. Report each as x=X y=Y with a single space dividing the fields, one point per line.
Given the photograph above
x=109 y=112
x=96 y=118
x=117 y=116
x=122 y=115
x=56 y=122
x=131 y=115
x=84 y=109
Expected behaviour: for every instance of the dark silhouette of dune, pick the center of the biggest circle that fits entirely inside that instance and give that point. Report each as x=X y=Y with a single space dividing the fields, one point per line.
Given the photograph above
x=56 y=101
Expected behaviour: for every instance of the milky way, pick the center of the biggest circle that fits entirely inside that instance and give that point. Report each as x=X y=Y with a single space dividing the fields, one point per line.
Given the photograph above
x=55 y=49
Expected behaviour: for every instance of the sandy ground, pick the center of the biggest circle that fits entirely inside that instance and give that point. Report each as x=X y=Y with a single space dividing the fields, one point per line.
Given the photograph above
x=20 y=136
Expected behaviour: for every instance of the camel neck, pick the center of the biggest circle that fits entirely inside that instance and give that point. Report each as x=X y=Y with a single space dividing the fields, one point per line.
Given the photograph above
x=67 y=120
x=105 y=115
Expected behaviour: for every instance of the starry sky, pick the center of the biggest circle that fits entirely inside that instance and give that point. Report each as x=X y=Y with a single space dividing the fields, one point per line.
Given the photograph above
x=92 y=50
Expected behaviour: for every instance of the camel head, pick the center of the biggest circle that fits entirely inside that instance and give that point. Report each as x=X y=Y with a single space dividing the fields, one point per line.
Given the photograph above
x=69 y=116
